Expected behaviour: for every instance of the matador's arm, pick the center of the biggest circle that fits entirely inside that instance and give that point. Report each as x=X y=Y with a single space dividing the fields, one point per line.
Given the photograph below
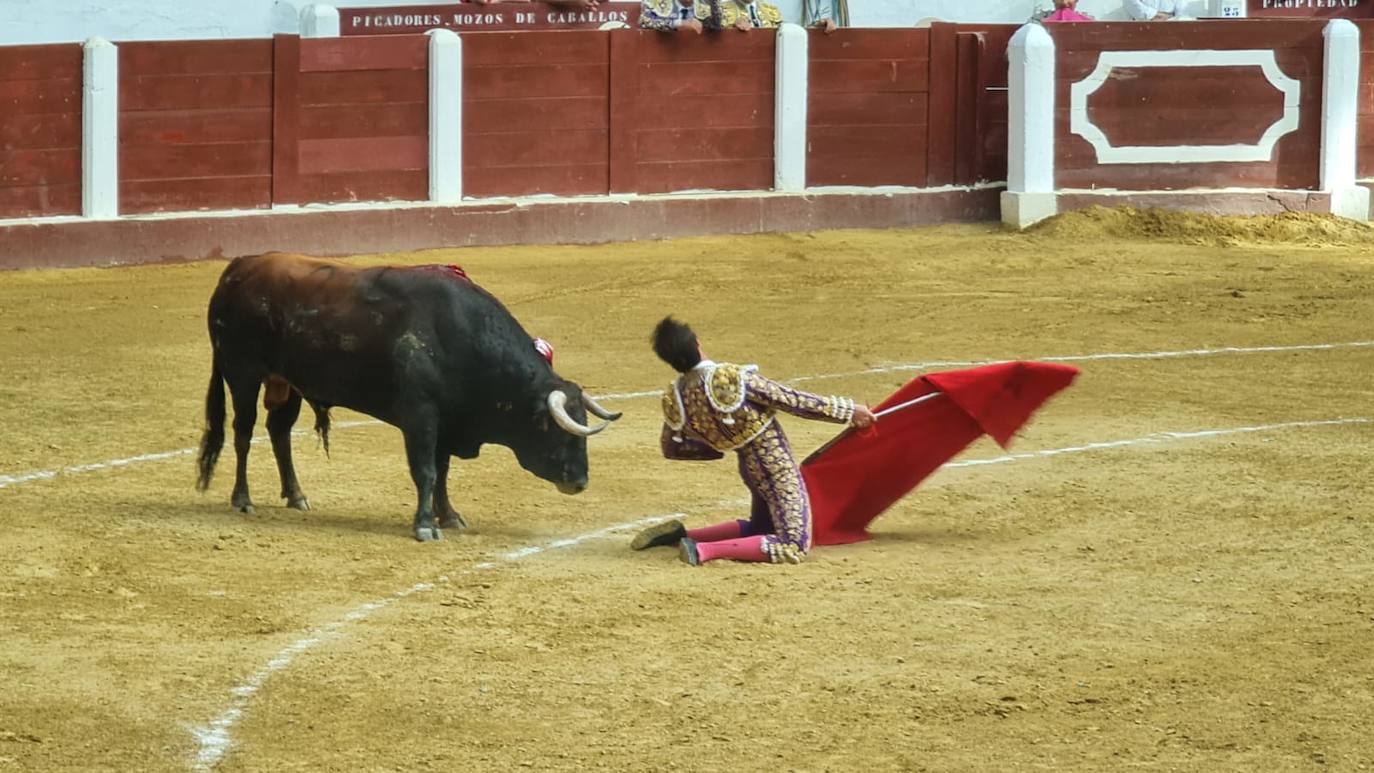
x=767 y=392
x=677 y=445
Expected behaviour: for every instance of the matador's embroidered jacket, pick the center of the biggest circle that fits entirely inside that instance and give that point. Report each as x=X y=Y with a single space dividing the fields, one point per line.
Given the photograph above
x=667 y=15
x=715 y=408
x=759 y=13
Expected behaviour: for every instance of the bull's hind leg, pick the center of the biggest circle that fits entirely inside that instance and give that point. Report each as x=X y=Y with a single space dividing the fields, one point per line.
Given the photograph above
x=448 y=517
x=283 y=407
x=245 y=395
x=420 y=453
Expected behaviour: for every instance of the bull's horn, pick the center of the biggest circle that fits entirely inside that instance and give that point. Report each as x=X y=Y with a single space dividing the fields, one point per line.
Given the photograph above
x=597 y=410
x=558 y=407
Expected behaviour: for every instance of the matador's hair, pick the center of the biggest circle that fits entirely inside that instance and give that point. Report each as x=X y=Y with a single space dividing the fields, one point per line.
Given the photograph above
x=676 y=344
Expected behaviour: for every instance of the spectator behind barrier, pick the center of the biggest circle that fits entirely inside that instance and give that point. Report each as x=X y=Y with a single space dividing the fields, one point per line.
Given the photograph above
x=676 y=15
x=577 y=5
x=1155 y=10
x=745 y=15
x=827 y=15
x=1064 y=10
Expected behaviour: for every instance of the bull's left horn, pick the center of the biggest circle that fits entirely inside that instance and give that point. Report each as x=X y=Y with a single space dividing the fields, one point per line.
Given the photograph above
x=558 y=408
x=597 y=410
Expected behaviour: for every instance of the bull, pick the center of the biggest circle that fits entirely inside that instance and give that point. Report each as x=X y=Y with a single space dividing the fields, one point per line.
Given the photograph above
x=428 y=352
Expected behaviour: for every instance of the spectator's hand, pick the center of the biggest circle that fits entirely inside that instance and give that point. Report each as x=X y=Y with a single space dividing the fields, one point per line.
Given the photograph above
x=581 y=5
x=828 y=26
x=693 y=25
x=1162 y=16
x=863 y=417
x=742 y=24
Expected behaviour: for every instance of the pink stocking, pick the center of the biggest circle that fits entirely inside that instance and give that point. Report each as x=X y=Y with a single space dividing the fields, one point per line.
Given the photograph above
x=720 y=531
x=742 y=549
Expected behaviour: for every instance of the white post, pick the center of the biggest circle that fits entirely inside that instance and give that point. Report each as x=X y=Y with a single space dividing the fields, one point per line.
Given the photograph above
x=789 y=109
x=1340 y=120
x=319 y=21
x=100 y=130
x=445 y=116
x=1030 y=195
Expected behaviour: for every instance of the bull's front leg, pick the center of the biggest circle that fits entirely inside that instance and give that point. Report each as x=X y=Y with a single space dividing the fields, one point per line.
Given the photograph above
x=448 y=517
x=420 y=453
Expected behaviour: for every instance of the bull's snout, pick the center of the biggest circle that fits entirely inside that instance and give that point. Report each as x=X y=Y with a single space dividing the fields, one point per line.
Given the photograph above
x=576 y=486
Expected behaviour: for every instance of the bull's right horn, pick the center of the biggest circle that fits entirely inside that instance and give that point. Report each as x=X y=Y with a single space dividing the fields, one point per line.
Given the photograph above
x=558 y=408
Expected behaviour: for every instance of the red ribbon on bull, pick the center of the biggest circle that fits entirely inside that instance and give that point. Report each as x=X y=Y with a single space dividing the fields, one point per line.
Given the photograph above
x=544 y=348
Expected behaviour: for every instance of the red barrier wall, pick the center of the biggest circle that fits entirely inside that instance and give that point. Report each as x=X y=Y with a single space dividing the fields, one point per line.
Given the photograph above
x=968 y=103
x=1183 y=105
x=352 y=119
x=1366 y=151
x=867 y=107
x=40 y=130
x=691 y=111
x=536 y=113
x=982 y=103
x=195 y=125
x=250 y=123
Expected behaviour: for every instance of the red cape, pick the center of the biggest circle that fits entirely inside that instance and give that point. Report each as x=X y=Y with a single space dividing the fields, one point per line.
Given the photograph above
x=857 y=476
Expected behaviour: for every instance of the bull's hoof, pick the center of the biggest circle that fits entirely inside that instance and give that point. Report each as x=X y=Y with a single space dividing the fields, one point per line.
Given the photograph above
x=428 y=533
x=452 y=521
x=298 y=503
x=239 y=500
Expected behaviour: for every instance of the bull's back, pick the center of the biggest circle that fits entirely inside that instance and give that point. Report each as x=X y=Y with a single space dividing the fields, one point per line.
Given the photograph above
x=322 y=325
x=286 y=279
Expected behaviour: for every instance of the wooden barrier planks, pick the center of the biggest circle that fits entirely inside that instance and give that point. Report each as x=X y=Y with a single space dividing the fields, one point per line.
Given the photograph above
x=536 y=113
x=195 y=125
x=691 y=112
x=1365 y=159
x=351 y=119
x=968 y=103
x=992 y=109
x=868 y=107
x=40 y=130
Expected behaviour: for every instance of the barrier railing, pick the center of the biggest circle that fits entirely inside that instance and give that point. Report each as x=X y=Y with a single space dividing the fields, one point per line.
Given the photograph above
x=255 y=124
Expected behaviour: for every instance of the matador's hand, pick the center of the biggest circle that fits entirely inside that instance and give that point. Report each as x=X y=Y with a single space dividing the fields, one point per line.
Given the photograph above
x=863 y=417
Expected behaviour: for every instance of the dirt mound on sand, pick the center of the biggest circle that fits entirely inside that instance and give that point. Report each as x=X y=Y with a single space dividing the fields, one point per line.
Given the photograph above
x=1302 y=228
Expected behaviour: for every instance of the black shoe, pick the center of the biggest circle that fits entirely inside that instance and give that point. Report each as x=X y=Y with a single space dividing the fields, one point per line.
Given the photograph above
x=687 y=551
x=659 y=535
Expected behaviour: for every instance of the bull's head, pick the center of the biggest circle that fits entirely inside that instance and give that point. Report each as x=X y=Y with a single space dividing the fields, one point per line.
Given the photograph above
x=555 y=446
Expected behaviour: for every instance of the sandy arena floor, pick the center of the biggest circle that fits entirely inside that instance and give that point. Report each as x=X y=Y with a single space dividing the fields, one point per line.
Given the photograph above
x=1177 y=601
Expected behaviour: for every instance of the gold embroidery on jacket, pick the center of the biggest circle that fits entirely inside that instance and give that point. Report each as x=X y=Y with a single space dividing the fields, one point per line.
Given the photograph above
x=672 y=408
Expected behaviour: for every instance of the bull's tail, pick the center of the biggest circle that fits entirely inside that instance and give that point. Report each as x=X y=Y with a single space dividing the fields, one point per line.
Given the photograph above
x=321 y=423
x=212 y=440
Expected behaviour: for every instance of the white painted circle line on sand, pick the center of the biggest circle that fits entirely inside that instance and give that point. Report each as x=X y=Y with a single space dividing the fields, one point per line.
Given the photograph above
x=7 y=481
x=214 y=739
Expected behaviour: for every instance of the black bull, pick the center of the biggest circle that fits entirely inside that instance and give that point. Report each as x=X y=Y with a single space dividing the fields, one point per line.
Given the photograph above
x=425 y=351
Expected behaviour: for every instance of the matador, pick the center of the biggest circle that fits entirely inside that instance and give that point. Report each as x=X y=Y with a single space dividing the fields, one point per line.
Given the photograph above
x=715 y=407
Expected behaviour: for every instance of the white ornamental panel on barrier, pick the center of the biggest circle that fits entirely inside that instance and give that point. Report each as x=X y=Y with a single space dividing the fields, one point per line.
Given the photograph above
x=1081 y=122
